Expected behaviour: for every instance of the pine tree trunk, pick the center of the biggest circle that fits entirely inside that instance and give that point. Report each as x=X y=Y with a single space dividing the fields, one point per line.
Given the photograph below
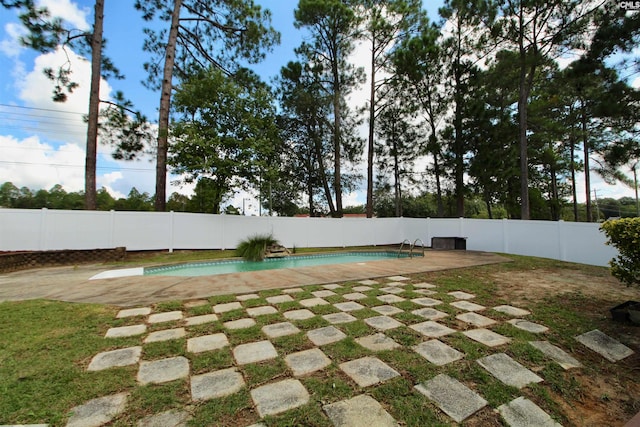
x=163 y=117
x=90 y=197
x=372 y=108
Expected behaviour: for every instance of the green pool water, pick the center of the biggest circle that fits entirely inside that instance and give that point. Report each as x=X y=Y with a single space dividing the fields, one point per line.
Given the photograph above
x=238 y=266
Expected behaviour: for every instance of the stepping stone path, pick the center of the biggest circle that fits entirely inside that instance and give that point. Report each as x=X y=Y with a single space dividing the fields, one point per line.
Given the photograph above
x=115 y=358
x=216 y=384
x=368 y=371
x=164 y=370
x=525 y=325
x=97 y=412
x=561 y=357
x=454 y=398
x=522 y=412
x=314 y=349
x=508 y=370
x=306 y=362
x=359 y=411
x=279 y=397
x=604 y=345
x=438 y=352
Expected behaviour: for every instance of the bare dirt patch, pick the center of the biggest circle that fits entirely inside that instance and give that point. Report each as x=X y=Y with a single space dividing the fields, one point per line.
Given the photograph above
x=534 y=285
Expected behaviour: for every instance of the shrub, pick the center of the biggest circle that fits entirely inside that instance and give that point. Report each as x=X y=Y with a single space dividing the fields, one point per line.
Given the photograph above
x=624 y=235
x=254 y=248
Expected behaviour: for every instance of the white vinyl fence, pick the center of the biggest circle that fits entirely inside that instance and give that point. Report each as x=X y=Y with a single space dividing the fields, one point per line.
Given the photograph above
x=28 y=229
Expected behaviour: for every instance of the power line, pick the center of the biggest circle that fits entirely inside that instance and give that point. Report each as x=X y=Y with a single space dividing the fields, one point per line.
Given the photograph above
x=41 y=109
x=75 y=166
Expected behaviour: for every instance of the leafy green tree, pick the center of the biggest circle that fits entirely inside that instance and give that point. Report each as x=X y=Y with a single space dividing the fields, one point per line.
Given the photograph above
x=226 y=132
x=386 y=22
x=135 y=201
x=201 y=34
x=332 y=25
x=537 y=30
x=104 y=200
x=9 y=195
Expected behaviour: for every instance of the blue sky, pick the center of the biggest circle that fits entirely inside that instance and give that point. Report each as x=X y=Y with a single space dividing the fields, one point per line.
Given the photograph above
x=42 y=143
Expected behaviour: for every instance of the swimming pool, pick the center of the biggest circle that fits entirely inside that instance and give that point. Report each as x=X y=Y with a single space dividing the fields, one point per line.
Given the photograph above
x=239 y=266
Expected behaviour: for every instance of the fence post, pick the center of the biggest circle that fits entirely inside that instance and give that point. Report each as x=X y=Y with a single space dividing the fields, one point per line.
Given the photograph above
x=171 y=220
x=461 y=227
x=112 y=226
x=43 y=229
x=562 y=256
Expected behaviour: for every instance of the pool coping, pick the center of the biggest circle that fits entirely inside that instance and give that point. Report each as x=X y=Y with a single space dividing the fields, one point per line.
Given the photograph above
x=72 y=283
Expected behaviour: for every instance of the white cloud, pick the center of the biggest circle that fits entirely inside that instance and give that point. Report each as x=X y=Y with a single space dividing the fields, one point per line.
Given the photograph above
x=11 y=46
x=38 y=165
x=68 y=11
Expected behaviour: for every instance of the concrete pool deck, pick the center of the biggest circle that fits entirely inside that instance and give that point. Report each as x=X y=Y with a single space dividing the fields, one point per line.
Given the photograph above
x=72 y=283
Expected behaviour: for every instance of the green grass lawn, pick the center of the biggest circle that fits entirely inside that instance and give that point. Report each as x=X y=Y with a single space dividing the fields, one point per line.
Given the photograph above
x=45 y=347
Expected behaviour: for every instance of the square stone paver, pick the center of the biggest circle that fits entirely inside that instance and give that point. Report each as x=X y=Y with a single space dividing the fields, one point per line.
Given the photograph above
x=326 y=335
x=426 y=302
x=97 y=412
x=280 y=329
x=247 y=297
x=132 y=312
x=437 y=352
x=558 y=355
x=240 y=323
x=312 y=302
x=170 y=418
x=467 y=306
x=114 y=358
x=307 y=361
x=199 y=320
x=604 y=345
x=423 y=285
x=261 y=311
x=377 y=342
x=279 y=397
x=362 y=288
x=229 y=306
x=126 y=331
x=301 y=314
x=337 y=318
x=348 y=306
x=508 y=370
x=359 y=411
x=323 y=294
x=392 y=290
x=216 y=384
x=279 y=299
x=461 y=295
x=168 y=316
x=354 y=296
x=390 y=299
x=475 y=319
x=487 y=337
x=292 y=290
x=387 y=310
x=396 y=284
x=432 y=329
x=382 y=323
x=430 y=313
x=522 y=412
x=332 y=286
x=254 y=352
x=368 y=282
x=163 y=370
x=452 y=397
x=368 y=371
x=165 y=335
x=525 y=325
x=398 y=278
x=207 y=343
x=511 y=311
